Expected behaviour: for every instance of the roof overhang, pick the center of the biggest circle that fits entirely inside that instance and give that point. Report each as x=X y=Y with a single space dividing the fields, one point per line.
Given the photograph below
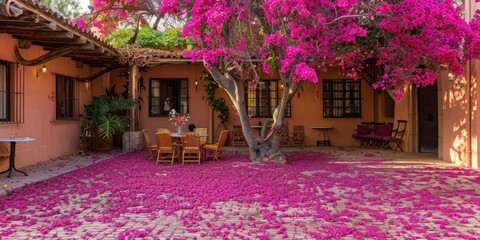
x=33 y=24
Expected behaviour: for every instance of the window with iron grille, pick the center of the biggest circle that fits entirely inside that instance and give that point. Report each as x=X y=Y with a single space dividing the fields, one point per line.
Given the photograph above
x=167 y=94
x=11 y=93
x=66 y=97
x=389 y=104
x=341 y=98
x=262 y=101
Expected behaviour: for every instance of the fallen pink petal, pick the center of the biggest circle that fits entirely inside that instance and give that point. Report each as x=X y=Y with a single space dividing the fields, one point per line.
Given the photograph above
x=316 y=195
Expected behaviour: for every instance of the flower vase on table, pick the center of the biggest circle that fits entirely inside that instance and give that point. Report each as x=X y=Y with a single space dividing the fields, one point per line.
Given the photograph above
x=178 y=119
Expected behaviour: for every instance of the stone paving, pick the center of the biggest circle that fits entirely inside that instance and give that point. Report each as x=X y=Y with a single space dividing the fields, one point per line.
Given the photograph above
x=322 y=193
x=48 y=169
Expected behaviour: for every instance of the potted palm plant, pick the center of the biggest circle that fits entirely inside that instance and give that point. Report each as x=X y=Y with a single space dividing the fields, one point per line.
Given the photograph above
x=107 y=116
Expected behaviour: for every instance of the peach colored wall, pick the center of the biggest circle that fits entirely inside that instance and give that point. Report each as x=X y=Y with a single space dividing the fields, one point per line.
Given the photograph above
x=475 y=161
x=459 y=102
x=380 y=110
x=402 y=112
x=198 y=108
x=307 y=110
x=456 y=120
x=53 y=138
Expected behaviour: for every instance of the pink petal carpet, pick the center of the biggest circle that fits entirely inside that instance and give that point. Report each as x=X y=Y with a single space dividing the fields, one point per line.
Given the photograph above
x=317 y=195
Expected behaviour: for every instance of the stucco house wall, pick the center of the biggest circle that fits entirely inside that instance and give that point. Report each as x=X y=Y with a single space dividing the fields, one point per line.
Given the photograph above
x=53 y=138
x=307 y=108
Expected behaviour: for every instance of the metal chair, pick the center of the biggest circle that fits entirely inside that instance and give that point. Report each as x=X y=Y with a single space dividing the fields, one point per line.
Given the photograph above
x=397 y=136
x=382 y=134
x=362 y=132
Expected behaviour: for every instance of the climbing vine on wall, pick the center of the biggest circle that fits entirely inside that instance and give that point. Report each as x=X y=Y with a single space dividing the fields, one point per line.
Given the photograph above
x=218 y=104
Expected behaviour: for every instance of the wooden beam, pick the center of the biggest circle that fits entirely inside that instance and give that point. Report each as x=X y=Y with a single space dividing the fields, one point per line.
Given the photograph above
x=24 y=44
x=101 y=50
x=38 y=33
x=27 y=5
x=82 y=54
x=88 y=48
x=25 y=28
x=100 y=73
x=63 y=41
x=51 y=25
x=11 y=8
x=27 y=23
x=44 y=58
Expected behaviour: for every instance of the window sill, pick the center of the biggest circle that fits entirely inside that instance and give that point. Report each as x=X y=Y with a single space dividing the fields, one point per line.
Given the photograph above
x=65 y=120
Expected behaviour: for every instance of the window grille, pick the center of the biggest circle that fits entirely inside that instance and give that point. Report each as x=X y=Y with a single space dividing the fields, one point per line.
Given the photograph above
x=341 y=98
x=66 y=97
x=12 y=98
x=262 y=101
x=167 y=94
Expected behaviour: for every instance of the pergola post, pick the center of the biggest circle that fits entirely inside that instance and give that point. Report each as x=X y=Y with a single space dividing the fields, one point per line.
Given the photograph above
x=133 y=92
x=133 y=139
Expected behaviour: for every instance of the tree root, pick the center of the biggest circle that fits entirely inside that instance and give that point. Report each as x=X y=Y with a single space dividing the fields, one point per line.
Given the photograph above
x=277 y=157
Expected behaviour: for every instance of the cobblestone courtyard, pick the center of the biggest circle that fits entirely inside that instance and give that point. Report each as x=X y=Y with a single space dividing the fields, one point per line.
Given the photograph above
x=328 y=194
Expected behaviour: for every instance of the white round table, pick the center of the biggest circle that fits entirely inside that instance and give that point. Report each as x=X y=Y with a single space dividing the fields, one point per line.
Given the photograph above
x=13 y=141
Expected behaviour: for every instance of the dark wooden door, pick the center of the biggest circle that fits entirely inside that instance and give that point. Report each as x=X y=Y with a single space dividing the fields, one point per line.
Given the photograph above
x=428 y=119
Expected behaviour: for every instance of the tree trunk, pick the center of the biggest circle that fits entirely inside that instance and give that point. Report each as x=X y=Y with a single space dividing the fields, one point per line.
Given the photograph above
x=259 y=148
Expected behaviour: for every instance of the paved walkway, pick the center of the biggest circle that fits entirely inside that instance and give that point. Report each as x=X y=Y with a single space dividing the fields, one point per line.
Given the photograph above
x=48 y=169
x=322 y=193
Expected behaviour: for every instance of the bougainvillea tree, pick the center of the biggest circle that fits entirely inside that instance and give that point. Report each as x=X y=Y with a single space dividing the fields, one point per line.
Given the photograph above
x=241 y=40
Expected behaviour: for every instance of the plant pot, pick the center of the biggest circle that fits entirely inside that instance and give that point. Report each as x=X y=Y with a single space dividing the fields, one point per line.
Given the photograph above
x=103 y=144
x=100 y=143
x=132 y=141
x=118 y=141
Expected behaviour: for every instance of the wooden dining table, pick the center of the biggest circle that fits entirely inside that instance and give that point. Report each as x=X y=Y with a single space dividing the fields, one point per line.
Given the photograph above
x=177 y=140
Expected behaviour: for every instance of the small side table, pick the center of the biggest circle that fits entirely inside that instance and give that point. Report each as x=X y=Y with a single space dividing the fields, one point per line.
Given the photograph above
x=326 y=139
x=13 y=141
